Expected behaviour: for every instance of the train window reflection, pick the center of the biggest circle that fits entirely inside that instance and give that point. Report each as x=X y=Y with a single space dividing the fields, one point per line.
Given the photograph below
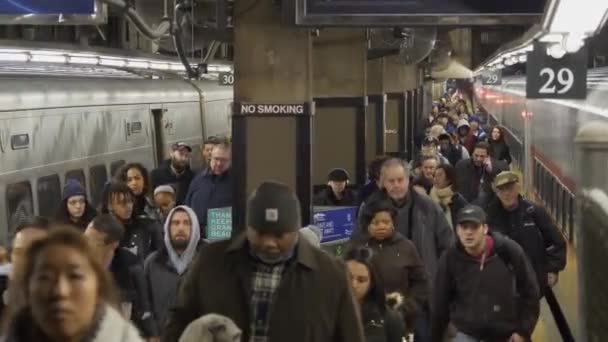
x=115 y=166
x=49 y=195
x=97 y=178
x=19 y=203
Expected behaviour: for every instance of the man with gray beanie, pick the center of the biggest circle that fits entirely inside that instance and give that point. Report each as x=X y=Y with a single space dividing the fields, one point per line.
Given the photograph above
x=270 y=280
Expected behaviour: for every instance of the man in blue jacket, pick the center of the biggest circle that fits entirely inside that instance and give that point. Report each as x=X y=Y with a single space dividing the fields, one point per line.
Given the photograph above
x=212 y=188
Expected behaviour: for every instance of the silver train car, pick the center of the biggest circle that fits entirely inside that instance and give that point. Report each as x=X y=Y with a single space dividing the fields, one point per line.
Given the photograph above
x=552 y=126
x=56 y=128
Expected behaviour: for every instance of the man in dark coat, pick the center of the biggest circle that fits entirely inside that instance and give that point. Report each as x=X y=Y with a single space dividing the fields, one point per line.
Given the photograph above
x=418 y=218
x=485 y=286
x=337 y=193
x=475 y=175
x=529 y=225
x=175 y=171
x=212 y=188
x=271 y=282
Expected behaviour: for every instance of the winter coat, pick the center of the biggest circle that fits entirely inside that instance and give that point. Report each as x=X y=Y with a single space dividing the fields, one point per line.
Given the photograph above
x=457 y=202
x=129 y=277
x=142 y=237
x=530 y=226
x=208 y=191
x=211 y=328
x=164 y=175
x=499 y=150
x=382 y=327
x=466 y=171
x=313 y=302
x=367 y=190
x=109 y=326
x=163 y=269
x=426 y=227
x=400 y=268
x=488 y=299
x=327 y=198
x=454 y=154
x=144 y=208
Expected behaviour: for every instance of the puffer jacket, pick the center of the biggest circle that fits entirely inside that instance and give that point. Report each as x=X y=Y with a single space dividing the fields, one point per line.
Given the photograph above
x=382 y=327
x=109 y=326
x=142 y=237
x=401 y=269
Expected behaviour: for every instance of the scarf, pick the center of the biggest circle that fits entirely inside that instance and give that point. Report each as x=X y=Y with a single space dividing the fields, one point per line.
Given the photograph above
x=442 y=196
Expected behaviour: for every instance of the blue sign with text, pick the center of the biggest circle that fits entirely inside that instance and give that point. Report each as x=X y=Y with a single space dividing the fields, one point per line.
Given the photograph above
x=47 y=6
x=219 y=224
x=336 y=223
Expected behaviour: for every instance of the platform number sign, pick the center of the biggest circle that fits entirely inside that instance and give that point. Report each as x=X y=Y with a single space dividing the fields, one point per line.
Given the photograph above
x=226 y=78
x=551 y=78
x=491 y=77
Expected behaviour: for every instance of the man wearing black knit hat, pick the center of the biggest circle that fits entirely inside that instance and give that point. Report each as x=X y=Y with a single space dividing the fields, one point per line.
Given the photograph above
x=269 y=280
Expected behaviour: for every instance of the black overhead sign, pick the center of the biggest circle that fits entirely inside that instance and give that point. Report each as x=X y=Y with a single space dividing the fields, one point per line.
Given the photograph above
x=273 y=109
x=551 y=78
x=491 y=77
x=226 y=78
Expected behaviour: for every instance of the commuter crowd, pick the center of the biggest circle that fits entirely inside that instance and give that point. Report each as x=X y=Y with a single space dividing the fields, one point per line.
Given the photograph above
x=446 y=248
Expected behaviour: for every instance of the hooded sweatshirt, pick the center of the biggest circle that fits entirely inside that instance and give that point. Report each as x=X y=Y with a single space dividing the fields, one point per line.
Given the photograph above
x=181 y=262
x=163 y=269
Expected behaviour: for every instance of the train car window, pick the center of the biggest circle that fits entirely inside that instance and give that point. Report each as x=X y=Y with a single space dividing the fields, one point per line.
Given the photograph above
x=49 y=195
x=136 y=127
x=115 y=166
x=20 y=141
x=77 y=175
x=98 y=176
x=19 y=203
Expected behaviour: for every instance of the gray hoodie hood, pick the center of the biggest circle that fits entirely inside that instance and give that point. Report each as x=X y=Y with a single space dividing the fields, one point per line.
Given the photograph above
x=181 y=262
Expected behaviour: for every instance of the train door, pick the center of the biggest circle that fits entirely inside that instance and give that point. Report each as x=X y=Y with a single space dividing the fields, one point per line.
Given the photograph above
x=158 y=130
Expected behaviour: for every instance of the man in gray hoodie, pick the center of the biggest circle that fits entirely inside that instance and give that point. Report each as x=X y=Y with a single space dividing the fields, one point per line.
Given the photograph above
x=164 y=268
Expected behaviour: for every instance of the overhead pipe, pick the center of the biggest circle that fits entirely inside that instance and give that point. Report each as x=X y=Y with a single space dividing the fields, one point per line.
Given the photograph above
x=139 y=22
x=179 y=46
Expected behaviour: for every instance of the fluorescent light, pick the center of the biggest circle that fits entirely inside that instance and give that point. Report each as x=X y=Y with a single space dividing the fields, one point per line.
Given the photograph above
x=177 y=67
x=48 y=58
x=551 y=38
x=14 y=57
x=84 y=60
x=523 y=58
x=569 y=14
x=112 y=62
x=139 y=64
x=159 y=66
x=556 y=51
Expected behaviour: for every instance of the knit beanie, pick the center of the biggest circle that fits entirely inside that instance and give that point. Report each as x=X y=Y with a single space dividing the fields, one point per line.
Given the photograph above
x=73 y=188
x=273 y=208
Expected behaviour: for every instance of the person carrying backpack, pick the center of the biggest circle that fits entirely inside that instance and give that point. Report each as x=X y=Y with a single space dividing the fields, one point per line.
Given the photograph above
x=530 y=226
x=485 y=286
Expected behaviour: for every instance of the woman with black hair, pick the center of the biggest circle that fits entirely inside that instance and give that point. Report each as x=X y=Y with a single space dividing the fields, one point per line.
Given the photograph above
x=499 y=149
x=142 y=235
x=136 y=177
x=380 y=323
x=396 y=258
x=75 y=209
x=445 y=192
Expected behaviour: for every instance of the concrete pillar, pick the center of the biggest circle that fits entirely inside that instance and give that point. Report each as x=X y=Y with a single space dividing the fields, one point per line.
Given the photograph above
x=272 y=66
x=340 y=91
x=462 y=43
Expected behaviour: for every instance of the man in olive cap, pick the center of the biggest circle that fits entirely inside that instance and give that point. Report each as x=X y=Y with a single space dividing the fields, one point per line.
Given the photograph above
x=529 y=225
x=269 y=280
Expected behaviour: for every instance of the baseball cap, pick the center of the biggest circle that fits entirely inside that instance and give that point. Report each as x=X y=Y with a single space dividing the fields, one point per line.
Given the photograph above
x=505 y=177
x=273 y=208
x=164 y=189
x=471 y=213
x=181 y=145
x=338 y=175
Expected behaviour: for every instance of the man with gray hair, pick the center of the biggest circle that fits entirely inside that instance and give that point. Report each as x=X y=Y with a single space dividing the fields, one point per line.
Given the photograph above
x=270 y=280
x=418 y=217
